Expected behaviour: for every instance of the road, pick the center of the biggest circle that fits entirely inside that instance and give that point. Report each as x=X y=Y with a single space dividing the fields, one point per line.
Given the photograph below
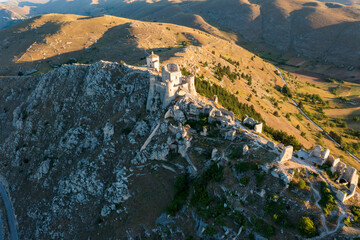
x=10 y=213
x=317 y=126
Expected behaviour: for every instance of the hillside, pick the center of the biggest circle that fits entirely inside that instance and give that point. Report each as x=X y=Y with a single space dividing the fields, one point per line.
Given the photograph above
x=10 y=15
x=75 y=165
x=313 y=34
x=62 y=39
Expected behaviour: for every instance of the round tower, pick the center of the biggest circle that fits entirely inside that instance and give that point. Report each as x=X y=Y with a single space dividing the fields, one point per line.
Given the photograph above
x=191 y=82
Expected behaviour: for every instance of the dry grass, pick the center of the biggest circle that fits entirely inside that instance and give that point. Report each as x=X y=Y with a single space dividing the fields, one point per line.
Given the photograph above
x=55 y=38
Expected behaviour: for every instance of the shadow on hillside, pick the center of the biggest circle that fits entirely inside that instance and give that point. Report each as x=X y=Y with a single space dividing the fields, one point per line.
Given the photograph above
x=117 y=44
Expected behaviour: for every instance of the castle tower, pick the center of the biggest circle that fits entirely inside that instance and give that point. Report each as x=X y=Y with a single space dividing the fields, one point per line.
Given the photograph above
x=153 y=61
x=170 y=93
x=191 y=82
x=172 y=73
x=151 y=91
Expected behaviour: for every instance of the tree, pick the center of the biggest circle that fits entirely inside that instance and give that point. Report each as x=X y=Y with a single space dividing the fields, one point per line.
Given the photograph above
x=302 y=184
x=301 y=105
x=307 y=227
x=286 y=91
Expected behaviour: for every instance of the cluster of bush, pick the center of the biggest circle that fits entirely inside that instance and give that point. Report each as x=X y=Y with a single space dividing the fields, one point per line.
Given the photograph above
x=220 y=72
x=181 y=189
x=229 y=60
x=327 y=201
x=307 y=227
x=312 y=98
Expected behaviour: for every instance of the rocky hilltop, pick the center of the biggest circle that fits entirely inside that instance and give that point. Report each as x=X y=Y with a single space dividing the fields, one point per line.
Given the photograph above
x=82 y=158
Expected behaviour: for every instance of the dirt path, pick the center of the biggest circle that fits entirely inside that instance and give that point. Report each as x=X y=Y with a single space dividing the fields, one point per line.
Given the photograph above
x=298 y=163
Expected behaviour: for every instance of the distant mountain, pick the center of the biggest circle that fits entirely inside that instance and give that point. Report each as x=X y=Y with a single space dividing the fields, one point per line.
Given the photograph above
x=322 y=31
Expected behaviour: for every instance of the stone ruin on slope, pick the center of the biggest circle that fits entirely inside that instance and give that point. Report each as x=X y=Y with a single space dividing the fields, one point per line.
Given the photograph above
x=166 y=87
x=252 y=123
x=347 y=174
x=286 y=154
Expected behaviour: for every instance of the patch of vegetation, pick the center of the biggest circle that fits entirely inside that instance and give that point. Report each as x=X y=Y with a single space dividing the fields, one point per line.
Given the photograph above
x=276 y=208
x=229 y=60
x=220 y=72
x=210 y=230
x=302 y=184
x=246 y=166
x=356 y=211
x=327 y=201
x=307 y=227
x=230 y=102
x=245 y=180
x=282 y=137
x=263 y=228
x=259 y=179
x=181 y=189
x=286 y=91
x=336 y=136
x=185 y=72
x=312 y=98
x=335 y=90
x=198 y=124
x=236 y=153
x=201 y=198
x=239 y=218
x=126 y=130
x=226 y=99
x=354 y=148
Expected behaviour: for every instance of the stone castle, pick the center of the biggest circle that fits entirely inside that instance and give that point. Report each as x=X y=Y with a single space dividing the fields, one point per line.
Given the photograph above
x=166 y=87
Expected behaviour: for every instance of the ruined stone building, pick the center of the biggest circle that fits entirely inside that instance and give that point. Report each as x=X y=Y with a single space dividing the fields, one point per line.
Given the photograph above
x=347 y=174
x=166 y=87
x=153 y=61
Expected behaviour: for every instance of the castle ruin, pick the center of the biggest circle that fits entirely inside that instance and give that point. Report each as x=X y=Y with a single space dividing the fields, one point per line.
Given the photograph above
x=166 y=87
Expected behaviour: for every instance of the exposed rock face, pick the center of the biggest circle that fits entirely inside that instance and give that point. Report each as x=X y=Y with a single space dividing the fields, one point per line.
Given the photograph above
x=66 y=143
x=84 y=159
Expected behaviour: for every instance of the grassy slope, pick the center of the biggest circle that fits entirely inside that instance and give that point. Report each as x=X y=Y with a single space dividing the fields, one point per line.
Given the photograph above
x=58 y=38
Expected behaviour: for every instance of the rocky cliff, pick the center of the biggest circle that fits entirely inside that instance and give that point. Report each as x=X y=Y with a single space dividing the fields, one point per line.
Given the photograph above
x=73 y=155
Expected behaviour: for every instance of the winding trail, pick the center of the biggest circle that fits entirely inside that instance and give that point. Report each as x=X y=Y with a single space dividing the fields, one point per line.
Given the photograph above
x=342 y=215
x=316 y=125
x=317 y=199
x=10 y=213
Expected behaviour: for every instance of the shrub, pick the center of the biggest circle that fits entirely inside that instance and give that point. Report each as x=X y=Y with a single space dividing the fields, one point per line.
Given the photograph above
x=259 y=179
x=210 y=230
x=201 y=197
x=327 y=201
x=246 y=166
x=244 y=180
x=356 y=211
x=264 y=228
x=301 y=184
x=181 y=188
x=336 y=136
x=307 y=227
x=347 y=222
x=286 y=91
